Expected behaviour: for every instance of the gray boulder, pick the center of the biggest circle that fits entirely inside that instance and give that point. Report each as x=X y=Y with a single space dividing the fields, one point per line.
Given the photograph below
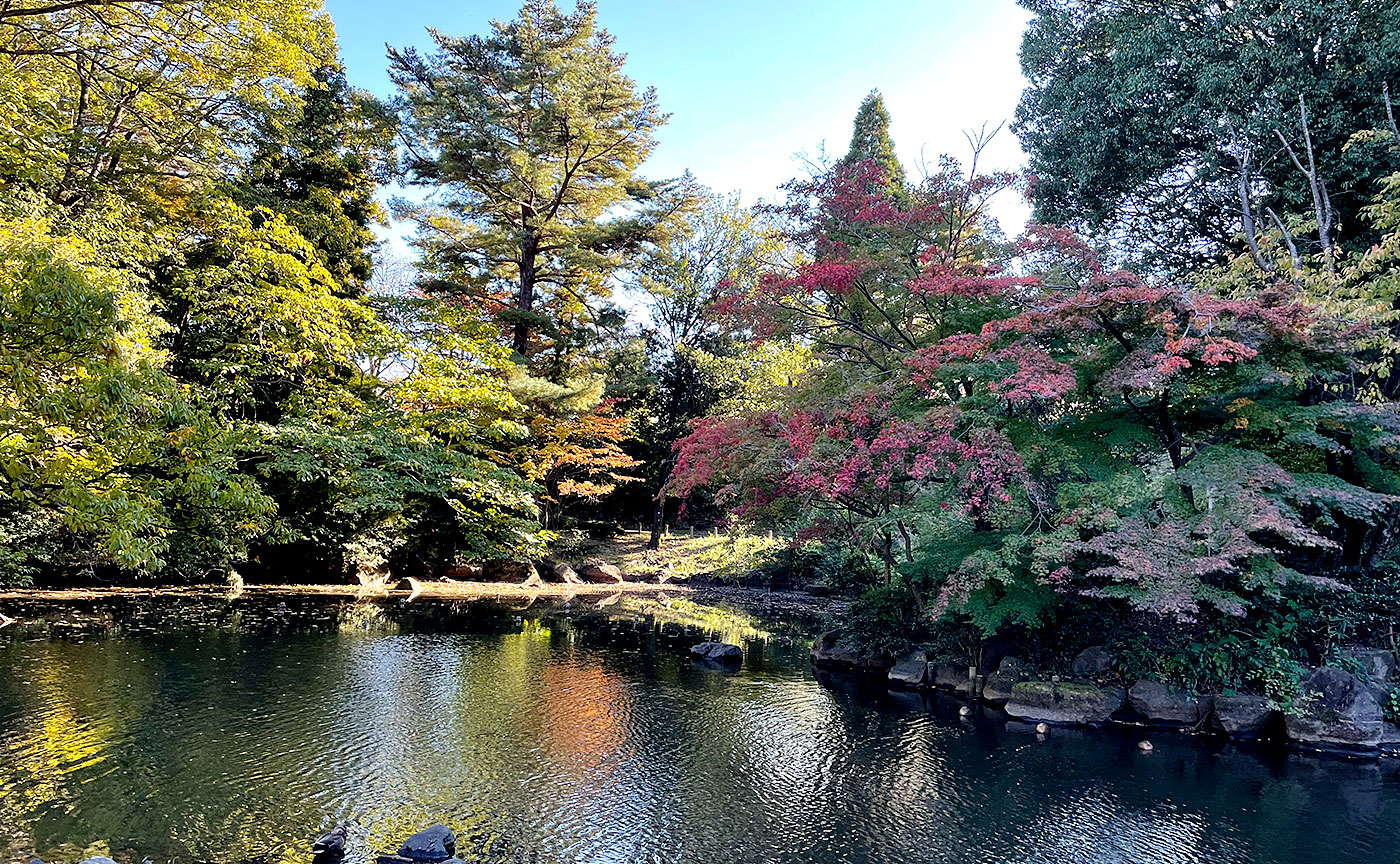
x=951 y=676
x=1334 y=710
x=1242 y=716
x=910 y=669
x=1167 y=706
x=1390 y=738
x=1377 y=665
x=718 y=652
x=98 y=859
x=1064 y=702
x=830 y=650
x=432 y=844
x=1092 y=662
x=997 y=688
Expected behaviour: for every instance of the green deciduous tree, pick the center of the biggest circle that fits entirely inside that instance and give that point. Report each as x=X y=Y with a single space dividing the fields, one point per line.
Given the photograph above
x=1167 y=125
x=142 y=97
x=93 y=431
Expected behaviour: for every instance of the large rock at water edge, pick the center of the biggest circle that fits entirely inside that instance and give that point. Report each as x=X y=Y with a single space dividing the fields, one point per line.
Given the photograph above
x=1092 y=662
x=832 y=651
x=1334 y=710
x=432 y=844
x=1167 y=706
x=1065 y=703
x=997 y=689
x=519 y=572
x=468 y=572
x=1242 y=716
x=554 y=571
x=910 y=669
x=718 y=652
x=951 y=676
x=566 y=574
x=1390 y=738
x=600 y=572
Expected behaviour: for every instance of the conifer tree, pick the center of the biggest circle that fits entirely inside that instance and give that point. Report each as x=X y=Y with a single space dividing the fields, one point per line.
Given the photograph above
x=533 y=135
x=320 y=167
x=870 y=139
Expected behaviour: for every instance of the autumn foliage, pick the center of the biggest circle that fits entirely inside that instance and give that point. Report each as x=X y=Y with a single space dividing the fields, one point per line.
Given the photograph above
x=1007 y=438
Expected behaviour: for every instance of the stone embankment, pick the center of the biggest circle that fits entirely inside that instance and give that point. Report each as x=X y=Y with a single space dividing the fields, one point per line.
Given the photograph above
x=1334 y=710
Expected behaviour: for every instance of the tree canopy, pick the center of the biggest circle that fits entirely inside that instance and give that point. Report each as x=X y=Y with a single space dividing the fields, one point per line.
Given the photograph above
x=1163 y=124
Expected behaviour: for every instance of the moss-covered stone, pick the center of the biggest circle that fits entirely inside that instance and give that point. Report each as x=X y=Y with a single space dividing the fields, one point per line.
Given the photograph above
x=1064 y=702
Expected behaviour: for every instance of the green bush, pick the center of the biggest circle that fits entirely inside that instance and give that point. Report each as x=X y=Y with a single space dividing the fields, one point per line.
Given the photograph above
x=790 y=566
x=1259 y=653
x=1392 y=706
x=880 y=621
x=844 y=569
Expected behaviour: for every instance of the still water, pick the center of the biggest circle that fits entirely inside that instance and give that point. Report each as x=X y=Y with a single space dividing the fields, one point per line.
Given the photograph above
x=554 y=738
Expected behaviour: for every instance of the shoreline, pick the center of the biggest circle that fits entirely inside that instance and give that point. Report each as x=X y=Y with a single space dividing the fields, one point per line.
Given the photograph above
x=80 y=612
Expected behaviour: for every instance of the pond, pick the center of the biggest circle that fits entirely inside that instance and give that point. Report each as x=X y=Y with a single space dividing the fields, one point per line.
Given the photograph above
x=552 y=737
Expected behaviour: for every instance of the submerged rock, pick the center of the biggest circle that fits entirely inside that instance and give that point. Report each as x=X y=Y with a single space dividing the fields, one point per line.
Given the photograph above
x=1062 y=702
x=718 y=652
x=1091 y=662
x=830 y=650
x=97 y=859
x=432 y=844
x=997 y=689
x=1334 y=710
x=1242 y=716
x=1162 y=705
x=910 y=669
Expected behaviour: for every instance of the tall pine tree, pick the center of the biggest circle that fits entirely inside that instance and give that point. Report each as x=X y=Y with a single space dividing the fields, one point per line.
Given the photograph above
x=533 y=136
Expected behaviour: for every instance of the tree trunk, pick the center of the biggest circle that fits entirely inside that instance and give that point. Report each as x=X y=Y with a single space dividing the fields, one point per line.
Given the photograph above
x=525 y=303
x=658 y=522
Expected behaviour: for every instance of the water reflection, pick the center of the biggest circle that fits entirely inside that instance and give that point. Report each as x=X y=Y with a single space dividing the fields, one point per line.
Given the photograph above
x=589 y=740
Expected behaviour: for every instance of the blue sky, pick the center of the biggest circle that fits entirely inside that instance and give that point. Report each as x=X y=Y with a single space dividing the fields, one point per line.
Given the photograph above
x=751 y=84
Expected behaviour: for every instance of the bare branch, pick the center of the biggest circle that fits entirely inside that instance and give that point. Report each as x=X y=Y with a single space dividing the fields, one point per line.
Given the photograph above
x=1322 y=202
x=1288 y=240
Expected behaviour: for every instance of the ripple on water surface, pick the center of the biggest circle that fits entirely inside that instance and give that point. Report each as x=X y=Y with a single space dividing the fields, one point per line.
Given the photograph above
x=557 y=743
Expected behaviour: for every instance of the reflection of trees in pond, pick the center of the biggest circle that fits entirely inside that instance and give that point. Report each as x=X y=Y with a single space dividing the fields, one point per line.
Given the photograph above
x=570 y=740
x=718 y=623
x=73 y=706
